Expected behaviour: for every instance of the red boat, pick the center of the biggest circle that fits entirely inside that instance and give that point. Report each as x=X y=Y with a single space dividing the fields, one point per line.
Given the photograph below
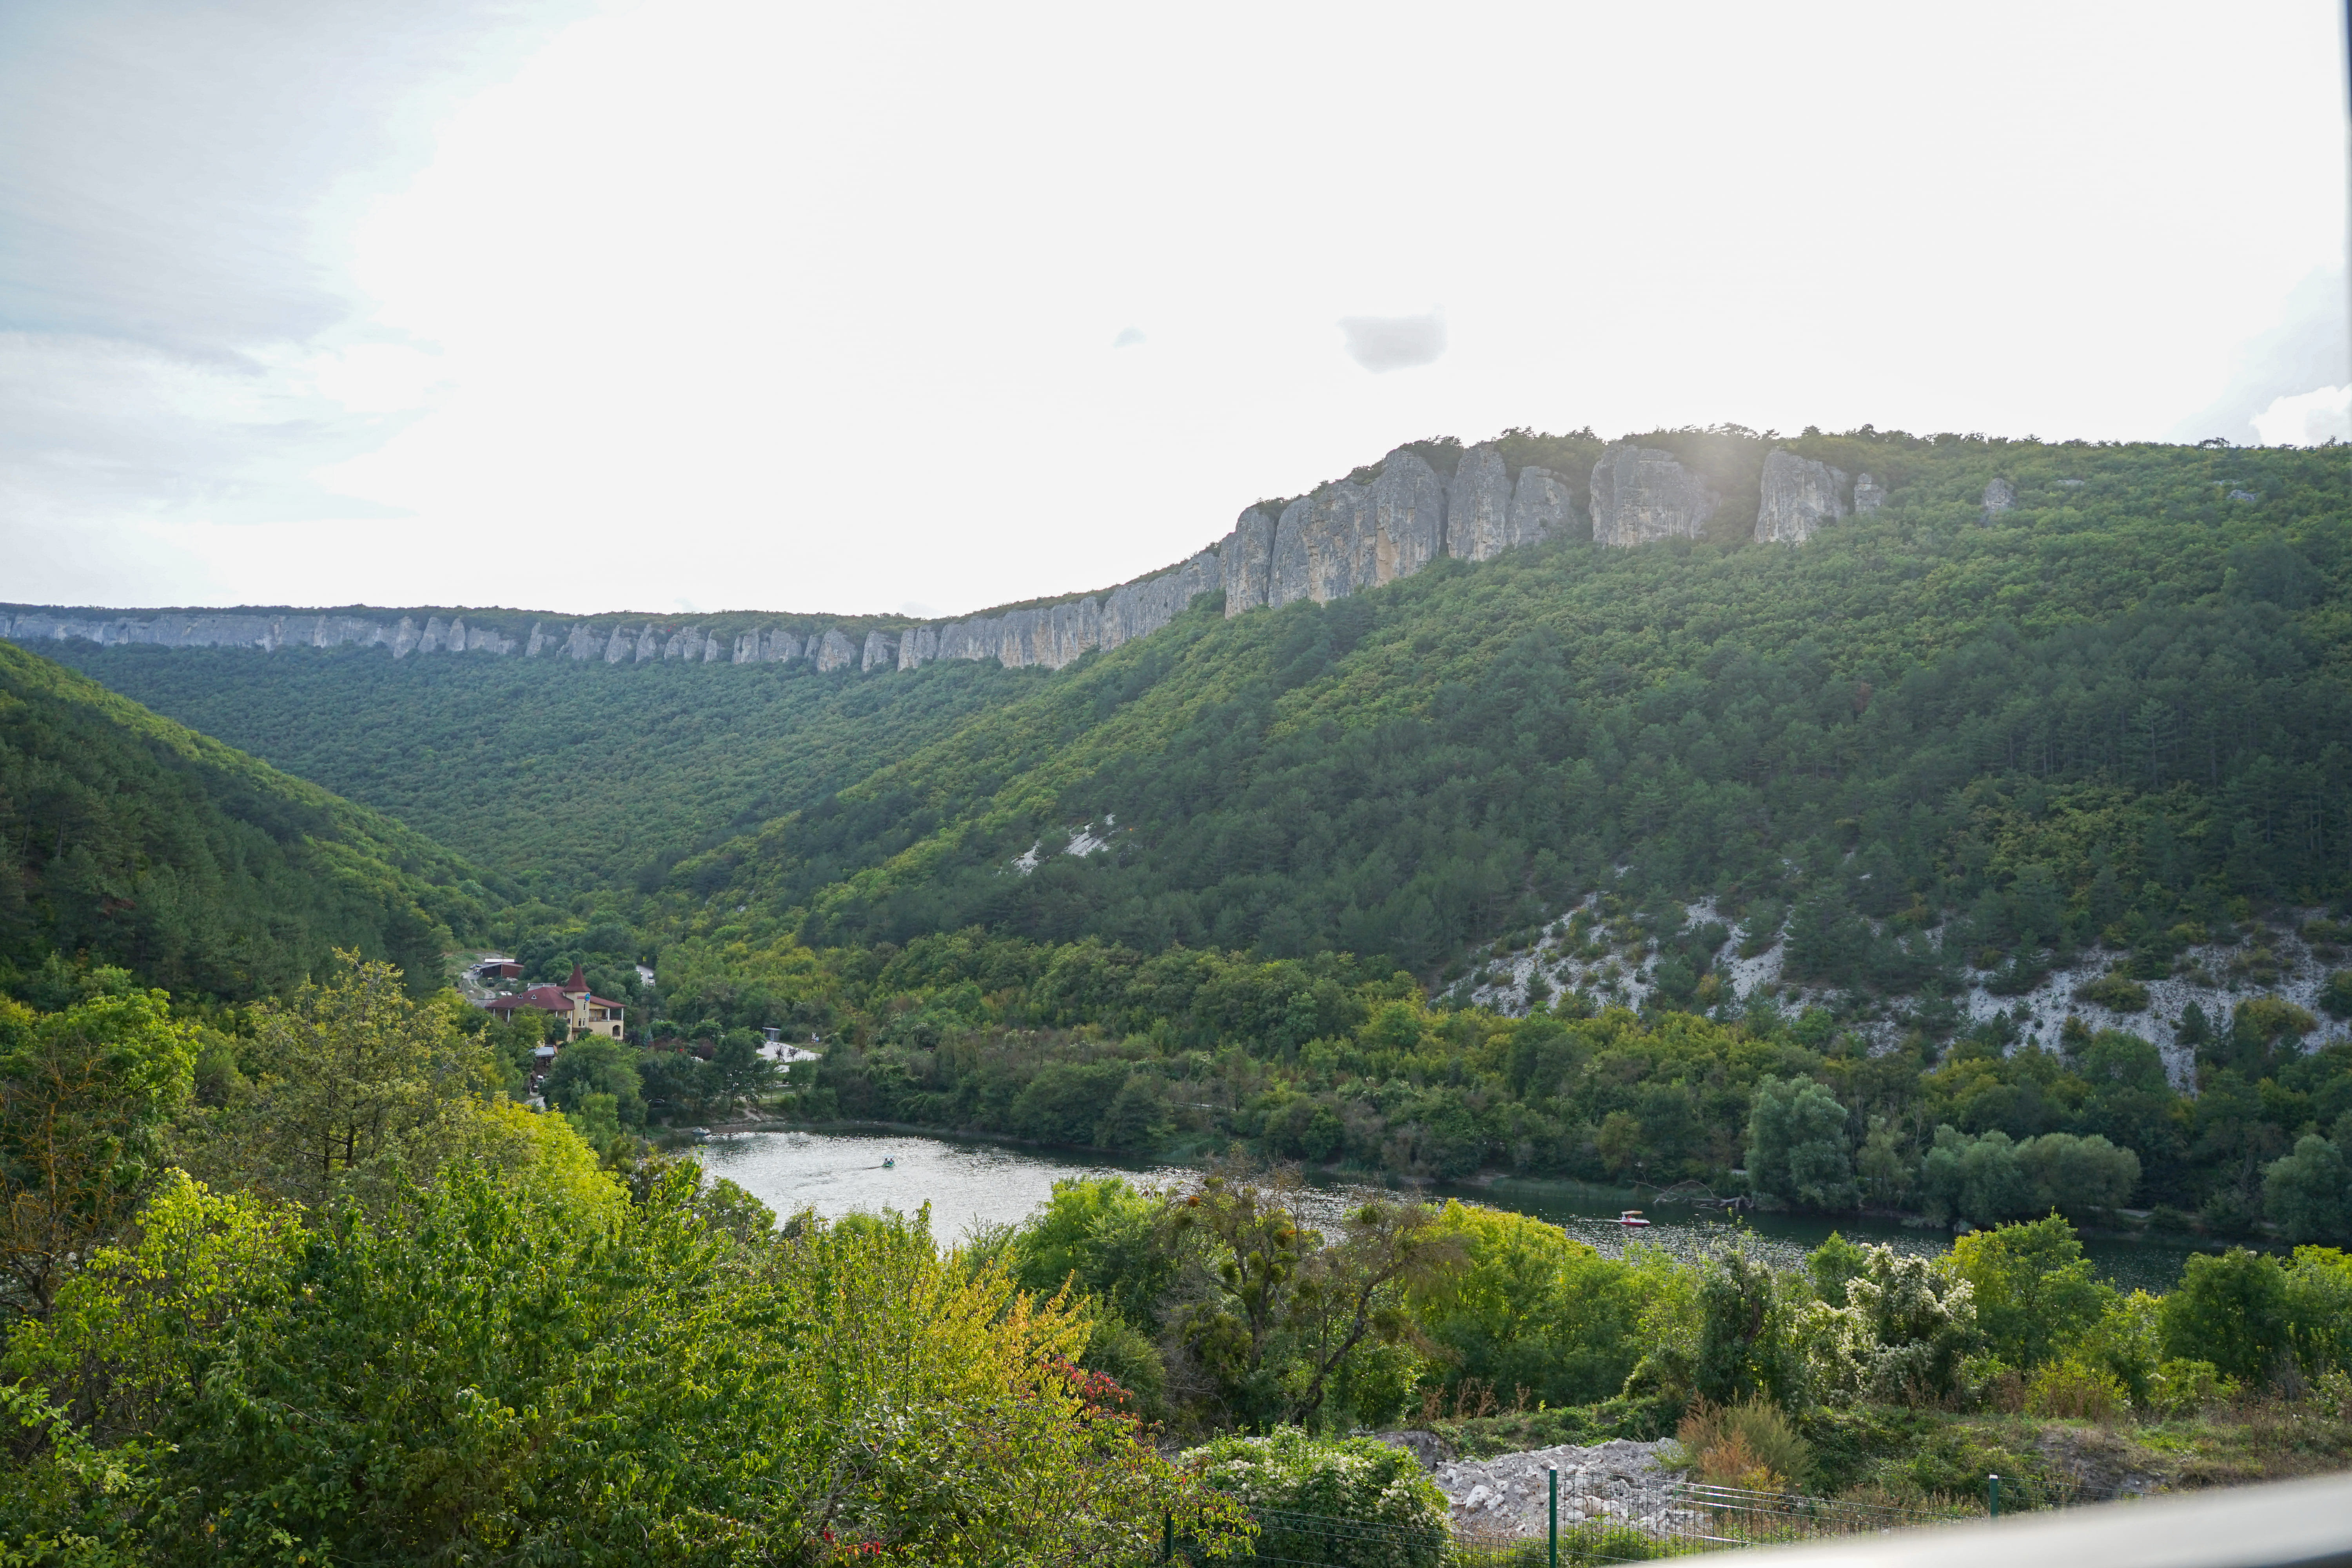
x=1632 y=1220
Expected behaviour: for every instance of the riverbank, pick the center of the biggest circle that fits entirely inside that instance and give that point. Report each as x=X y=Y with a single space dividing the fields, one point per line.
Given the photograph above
x=993 y=1180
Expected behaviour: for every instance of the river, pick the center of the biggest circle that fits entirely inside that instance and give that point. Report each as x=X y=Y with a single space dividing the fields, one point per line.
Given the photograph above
x=970 y=1183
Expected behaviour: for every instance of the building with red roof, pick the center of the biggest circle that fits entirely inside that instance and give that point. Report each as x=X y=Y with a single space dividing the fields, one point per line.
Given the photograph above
x=580 y=1011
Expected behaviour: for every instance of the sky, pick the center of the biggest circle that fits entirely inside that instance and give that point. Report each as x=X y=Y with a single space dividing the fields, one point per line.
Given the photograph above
x=587 y=305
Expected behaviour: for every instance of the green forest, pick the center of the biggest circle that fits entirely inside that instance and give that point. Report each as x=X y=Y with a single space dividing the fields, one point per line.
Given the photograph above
x=127 y=839
x=301 y=1260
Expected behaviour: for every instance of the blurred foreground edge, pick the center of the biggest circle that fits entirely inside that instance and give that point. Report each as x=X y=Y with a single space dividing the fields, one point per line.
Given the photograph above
x=2282 y=1524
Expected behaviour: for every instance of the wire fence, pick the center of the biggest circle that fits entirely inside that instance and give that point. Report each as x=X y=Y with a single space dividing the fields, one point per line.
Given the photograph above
x=1590 y=1524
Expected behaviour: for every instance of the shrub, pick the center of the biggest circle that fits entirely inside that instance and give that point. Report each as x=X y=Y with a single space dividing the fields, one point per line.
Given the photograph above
x=2115 y=990
x=2071 y=1391
x=2185 y=1387
x=1750 y=1444
x=2335 y=997
x=1353 y=1478
x=2230 y=1310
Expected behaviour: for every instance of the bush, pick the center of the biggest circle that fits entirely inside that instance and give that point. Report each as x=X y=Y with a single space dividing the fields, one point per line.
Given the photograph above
x=1750 y=1445
x=2230 y=1310
x=1352 y=1478
x=2185 y=1388
x=2115 y=990
x=2335 y=997
x=2071 y=1391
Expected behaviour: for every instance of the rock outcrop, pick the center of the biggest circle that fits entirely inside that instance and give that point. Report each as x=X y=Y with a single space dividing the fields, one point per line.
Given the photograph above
x=1998 y=497
x=1322 y=546
x=881 y=652
x=1486 y=515
x=1869 y=495
x=1542 y=506
x=1478 y=507
x=1408 y=518
x=1245 y=562
x=835 y=652
x=1798 y=495
x=1641 y=495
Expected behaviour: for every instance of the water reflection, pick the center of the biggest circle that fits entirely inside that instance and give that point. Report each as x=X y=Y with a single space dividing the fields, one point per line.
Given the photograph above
x=971 y=1184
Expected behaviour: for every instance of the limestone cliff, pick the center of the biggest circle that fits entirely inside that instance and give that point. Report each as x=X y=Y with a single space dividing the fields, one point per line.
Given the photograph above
x=835 y=651
x=1245 y=562
x=1641 y=495
x=1322 y=546
x=1486 y=515
x=1342 y=539
x=1478 y=507
x=1798 y=495
x=1998 y=497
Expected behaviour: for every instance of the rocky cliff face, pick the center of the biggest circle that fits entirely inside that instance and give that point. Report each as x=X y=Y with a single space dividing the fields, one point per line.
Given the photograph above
x=1341 y=540
x=1245 y=562
x=1798 y=495
x=1998 y=497
x=1485 y=515
x=1641 y=495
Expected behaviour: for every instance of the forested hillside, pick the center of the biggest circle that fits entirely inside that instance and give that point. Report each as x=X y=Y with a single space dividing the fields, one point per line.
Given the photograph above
x=2115 y=707
x=563 y=778
x=127 y=839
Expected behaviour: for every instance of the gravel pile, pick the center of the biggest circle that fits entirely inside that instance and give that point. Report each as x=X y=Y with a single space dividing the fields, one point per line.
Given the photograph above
x=1613 y=1483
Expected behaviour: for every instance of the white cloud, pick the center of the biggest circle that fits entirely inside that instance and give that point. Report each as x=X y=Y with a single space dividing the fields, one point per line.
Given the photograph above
x=1128 y=338
x=1394 y=342
x=2307 y=419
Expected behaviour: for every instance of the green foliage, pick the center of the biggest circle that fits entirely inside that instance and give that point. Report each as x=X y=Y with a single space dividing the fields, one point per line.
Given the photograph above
x=132 y=841
x=1797 y=1150
x=1979 y=1179
x=2335 y=995
x=1991 y=1176
x=484 y=1374
x=1351 y=1478
x=1832 y=1265
x=2228 y=1310
x=2319 y=1310
x=1989 y=719
x=1901 y=1337
x=85 y=1095
x=2309 y=1192
x=1101 y=1236
x=1275 y=1321
x=1746 y=1347
x=1750 y=1445
x=2035 y=1294
x=1530 y=1314
x=2119 y=992
x=593 y=1066
x=562 y=778
x=355 y=1088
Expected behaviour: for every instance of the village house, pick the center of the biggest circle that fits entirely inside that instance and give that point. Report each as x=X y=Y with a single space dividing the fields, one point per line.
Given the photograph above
x=580 y=1011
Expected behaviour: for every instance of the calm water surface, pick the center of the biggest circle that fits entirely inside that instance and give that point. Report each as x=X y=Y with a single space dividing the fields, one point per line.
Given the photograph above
x=971 y=1184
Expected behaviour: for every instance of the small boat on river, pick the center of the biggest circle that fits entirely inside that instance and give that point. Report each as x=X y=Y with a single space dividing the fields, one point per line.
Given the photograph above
x=1632 y=1220
x=889 y=1162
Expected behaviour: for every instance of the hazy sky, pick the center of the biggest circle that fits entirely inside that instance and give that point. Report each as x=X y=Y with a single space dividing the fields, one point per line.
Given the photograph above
x=727 y=304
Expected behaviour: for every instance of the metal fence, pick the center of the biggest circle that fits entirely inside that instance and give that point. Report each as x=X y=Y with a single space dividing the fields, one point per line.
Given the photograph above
x=1579 y=1527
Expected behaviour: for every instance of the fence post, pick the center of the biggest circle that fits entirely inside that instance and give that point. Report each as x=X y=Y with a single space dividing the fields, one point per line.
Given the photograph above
x=1168 y=1536
x=1992 y=1495
x=1552 y=1512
